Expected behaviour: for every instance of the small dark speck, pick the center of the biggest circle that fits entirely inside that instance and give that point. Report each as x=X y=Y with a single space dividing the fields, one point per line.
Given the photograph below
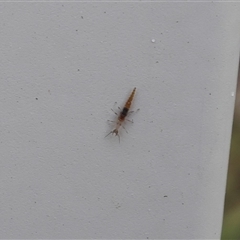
x=35 y=202
x=176 y=21
x=182 y=203
x=105 y=12
x=81 y=17
x=78 y=70
x=156 y=61
x=165 y=196
x=210 y=94
x=36 y=98
x=188 y=42
x=76 y=30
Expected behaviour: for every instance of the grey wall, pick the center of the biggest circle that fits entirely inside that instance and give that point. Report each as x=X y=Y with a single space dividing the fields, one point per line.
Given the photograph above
x=63 y=65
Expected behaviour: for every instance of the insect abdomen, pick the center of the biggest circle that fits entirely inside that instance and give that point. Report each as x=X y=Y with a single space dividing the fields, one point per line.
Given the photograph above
x=129 y=101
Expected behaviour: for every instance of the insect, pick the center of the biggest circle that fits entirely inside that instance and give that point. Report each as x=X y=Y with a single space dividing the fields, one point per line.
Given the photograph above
x=122 y=115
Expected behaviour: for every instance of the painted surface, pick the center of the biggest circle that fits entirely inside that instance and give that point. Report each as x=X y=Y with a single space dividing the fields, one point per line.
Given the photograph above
x=62 y=67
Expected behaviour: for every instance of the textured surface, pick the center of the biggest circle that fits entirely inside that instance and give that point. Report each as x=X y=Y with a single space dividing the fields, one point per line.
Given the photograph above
x=63 y=65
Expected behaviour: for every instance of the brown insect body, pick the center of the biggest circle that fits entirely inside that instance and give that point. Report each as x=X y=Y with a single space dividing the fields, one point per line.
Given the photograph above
x=123 y=114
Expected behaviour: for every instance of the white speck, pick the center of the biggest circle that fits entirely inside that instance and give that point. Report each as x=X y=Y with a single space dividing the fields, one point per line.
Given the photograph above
x=232 y=94
x=153 y=40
